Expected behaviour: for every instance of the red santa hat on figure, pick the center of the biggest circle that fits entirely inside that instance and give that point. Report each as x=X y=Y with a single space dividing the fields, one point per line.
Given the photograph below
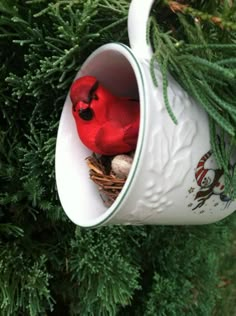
x=204 y=177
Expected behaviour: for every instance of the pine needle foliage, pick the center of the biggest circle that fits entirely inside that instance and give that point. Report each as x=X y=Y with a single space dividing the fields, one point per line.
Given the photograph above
x=47 y=265
x=197 y=46
x=111 y=283
x=23 y=283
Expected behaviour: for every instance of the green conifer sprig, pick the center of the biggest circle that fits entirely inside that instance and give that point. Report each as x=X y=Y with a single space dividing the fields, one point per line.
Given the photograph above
x=23 y=280
x=218 y=20
x=93 y=281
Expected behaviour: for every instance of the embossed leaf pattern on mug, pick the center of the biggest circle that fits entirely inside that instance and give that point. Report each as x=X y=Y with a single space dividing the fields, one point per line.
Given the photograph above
x=169 y=155
x=179 y=162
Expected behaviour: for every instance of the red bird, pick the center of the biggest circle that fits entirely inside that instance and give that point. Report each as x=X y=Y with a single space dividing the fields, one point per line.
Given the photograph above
x=106 y=124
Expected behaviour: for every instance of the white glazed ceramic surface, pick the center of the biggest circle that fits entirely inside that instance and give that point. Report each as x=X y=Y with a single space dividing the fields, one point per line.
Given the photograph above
x=174 y=178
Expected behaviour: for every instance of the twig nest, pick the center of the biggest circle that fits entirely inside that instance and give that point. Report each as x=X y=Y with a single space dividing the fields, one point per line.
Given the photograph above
x=121 y=165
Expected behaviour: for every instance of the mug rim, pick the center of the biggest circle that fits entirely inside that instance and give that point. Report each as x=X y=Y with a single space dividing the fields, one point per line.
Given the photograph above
x=110 y=212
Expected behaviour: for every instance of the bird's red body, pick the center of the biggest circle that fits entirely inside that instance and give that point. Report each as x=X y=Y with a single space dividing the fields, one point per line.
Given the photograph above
x=106 y=124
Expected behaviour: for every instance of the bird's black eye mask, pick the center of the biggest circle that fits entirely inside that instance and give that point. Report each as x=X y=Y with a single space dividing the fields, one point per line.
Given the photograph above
x=86 y=114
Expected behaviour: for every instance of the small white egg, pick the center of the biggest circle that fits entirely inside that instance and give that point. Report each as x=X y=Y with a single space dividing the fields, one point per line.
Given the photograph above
x=121 y=165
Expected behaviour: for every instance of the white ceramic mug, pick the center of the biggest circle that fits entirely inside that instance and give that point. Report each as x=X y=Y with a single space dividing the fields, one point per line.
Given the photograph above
x=174 y=179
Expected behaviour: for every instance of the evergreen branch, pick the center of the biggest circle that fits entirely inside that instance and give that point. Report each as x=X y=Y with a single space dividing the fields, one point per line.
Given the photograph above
x=208 y=66
x=215 y=143
x=229 y=107
x=208 y=106
x=22 y=281
x=165 y=92
x=227 y=61
x=215 y=47
x=152 y=69
x=218 y=148
x=9 y=229
x=112 y=25
x=204 y=16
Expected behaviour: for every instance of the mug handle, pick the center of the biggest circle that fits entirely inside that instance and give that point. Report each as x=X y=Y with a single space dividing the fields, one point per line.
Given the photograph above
x=139 y=11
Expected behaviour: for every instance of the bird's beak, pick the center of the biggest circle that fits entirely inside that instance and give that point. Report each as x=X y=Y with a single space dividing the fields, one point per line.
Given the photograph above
x=81 y=105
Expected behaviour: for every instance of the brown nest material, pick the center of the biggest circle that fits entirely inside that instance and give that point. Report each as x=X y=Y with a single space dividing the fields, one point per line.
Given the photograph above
x=109 y=185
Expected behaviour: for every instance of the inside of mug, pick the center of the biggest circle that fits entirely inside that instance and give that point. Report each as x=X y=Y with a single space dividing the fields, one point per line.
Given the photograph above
x=79 y=195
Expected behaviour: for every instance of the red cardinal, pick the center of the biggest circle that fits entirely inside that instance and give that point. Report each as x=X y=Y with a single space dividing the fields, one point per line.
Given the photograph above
x=106 y=124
